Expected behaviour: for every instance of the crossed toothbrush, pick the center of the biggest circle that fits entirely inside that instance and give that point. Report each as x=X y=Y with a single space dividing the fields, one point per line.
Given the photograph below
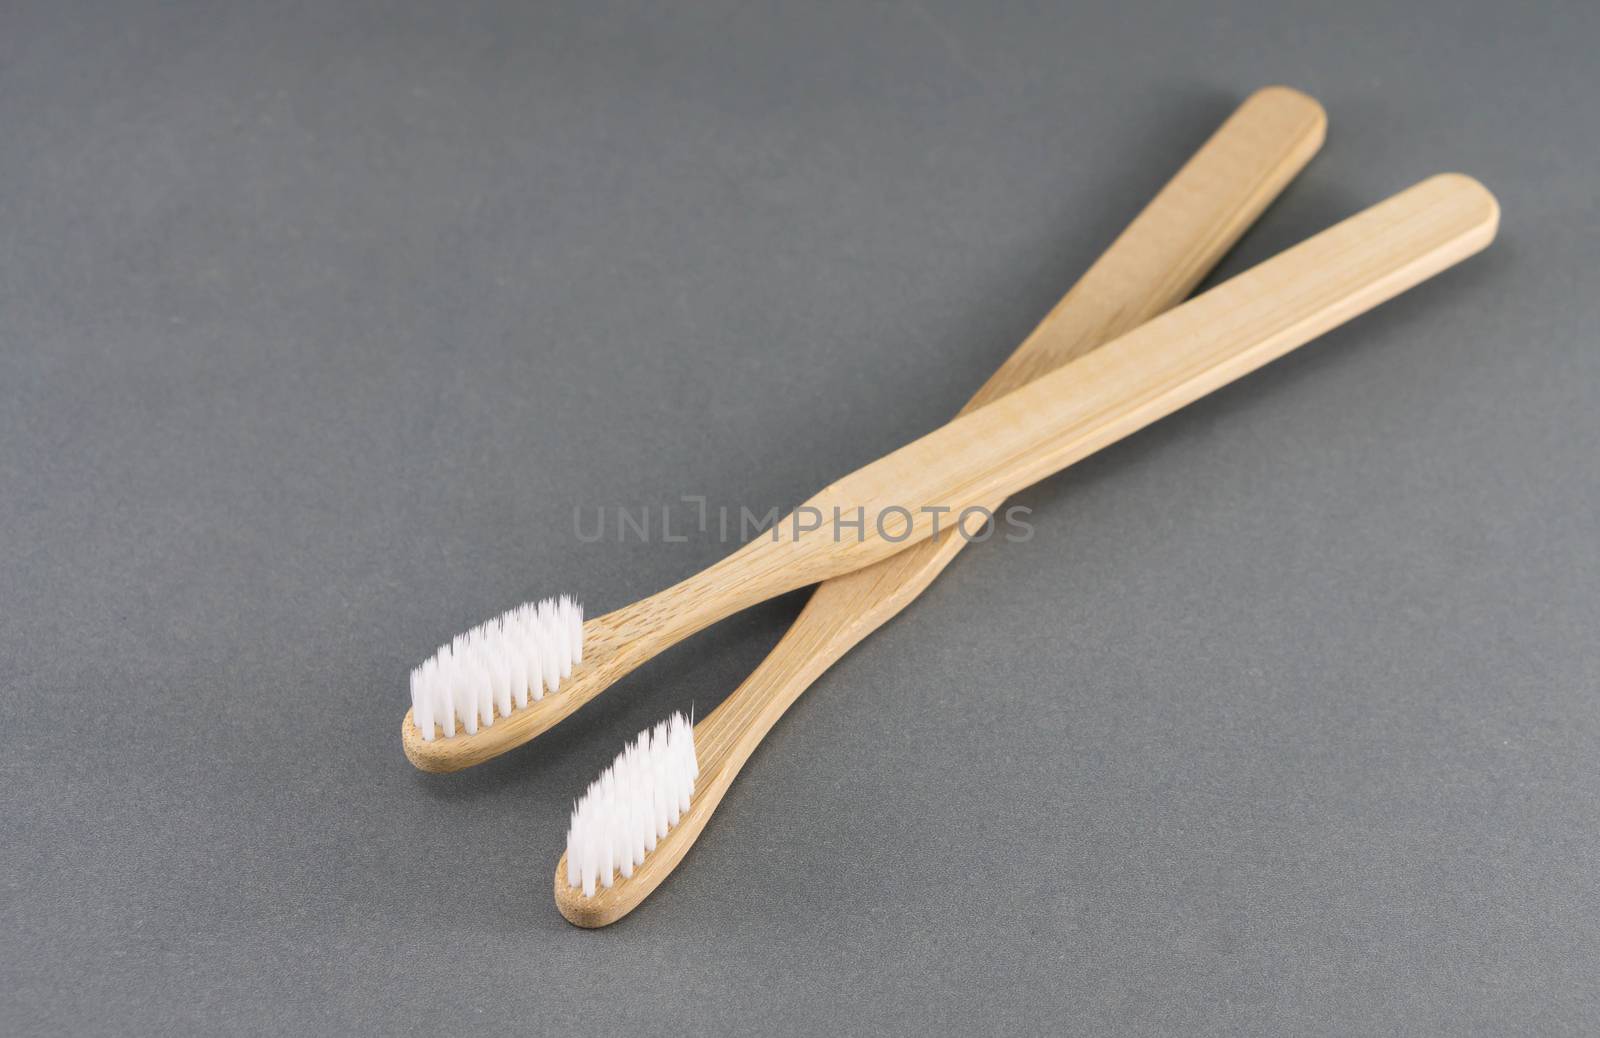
x=1115 y=354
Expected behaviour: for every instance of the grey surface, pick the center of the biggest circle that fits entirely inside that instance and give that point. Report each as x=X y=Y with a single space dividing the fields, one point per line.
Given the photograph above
x=317 y=321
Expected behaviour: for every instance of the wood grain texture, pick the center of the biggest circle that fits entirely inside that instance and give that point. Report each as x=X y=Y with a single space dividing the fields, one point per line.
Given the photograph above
x=1153 y=264
x=1156 y=261
x=1066 y=415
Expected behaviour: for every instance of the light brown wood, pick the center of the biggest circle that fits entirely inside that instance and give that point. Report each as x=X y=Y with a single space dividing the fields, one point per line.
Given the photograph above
x=1038 y=430
x=1153 y=264
x=1085 y=405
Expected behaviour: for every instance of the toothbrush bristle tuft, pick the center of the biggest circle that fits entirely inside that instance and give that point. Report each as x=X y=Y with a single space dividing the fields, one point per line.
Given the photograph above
x=631 y=805
x=497 y=667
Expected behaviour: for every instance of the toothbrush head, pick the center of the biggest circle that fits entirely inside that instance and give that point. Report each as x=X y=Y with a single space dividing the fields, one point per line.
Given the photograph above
x=496 y=668
x=618 y=822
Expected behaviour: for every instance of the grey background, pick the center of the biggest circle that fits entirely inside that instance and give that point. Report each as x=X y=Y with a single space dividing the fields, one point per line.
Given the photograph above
x=317 y=321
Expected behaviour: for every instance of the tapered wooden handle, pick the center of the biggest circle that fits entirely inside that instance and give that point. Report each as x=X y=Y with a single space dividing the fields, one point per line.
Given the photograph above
x=1159 y=258
x=1150 y=372
x=1150 y=268
x=1062 y=417
x=1152 y=265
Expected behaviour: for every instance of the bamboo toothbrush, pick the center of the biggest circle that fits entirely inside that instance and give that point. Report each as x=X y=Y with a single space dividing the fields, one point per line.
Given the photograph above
x=1150 y=267
x=646 y=811
x=1160 y=257
x=981 y=456
x=985 y=455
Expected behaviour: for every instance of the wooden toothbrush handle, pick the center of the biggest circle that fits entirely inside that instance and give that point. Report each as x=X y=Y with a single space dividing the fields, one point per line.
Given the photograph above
x=1092 y=402
x=1184 y=231
x=1156 y=261
x=1187 y=352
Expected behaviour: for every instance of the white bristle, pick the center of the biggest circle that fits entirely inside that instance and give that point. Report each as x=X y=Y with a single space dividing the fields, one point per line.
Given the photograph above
x=631 y=805
x=497 y=667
